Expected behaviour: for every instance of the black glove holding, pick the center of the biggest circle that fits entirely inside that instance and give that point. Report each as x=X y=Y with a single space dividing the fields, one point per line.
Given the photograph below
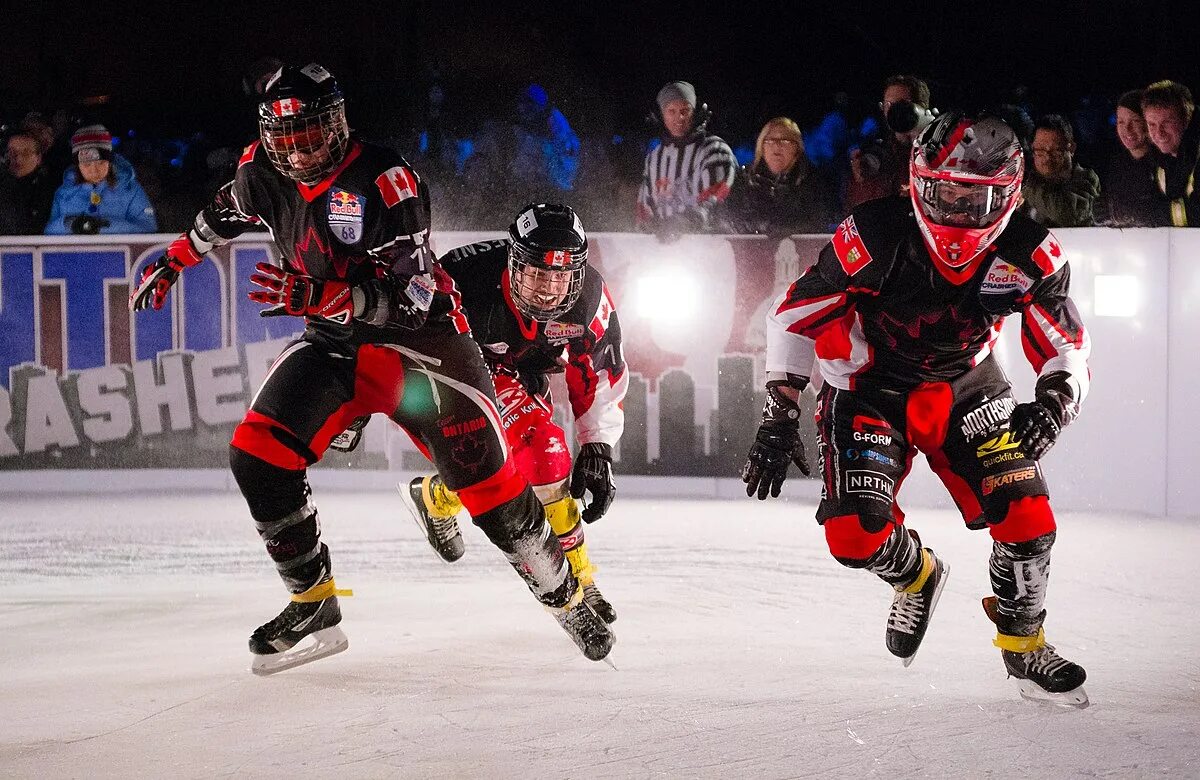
x=777 y=442
x=1037 y=424
x=593 y=472
x=88 y=225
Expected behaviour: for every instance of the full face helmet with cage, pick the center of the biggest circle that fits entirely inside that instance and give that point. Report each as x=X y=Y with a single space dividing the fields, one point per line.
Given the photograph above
x=547 y=259
x=965 y=183
x=302 y=122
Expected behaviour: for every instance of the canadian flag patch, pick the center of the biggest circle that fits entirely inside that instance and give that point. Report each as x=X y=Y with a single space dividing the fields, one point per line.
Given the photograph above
x=1049 y=255
x=396 y=184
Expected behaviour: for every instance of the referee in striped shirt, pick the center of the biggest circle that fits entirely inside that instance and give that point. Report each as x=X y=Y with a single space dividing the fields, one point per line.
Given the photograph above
x=686 y=175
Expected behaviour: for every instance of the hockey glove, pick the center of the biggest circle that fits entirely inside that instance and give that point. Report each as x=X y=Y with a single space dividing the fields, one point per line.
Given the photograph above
x=348 y=440
x=301 y=296
x=1037 y=424
x=776 y=444
x=593 y=472
x=157 y=278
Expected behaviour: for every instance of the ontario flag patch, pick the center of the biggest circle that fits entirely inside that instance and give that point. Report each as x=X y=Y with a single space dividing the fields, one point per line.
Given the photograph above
x=849 y=247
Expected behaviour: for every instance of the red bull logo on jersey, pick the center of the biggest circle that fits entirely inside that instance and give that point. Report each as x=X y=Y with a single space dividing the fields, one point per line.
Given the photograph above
x=1003 y=277
x=345 y=215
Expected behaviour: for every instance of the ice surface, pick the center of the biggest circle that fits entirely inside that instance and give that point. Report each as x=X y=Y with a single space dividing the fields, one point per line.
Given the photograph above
x=744 y=651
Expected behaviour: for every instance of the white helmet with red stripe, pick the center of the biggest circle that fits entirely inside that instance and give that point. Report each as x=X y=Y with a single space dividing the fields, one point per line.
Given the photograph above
x=547 y=258
x=302 y=123
x=965 y=183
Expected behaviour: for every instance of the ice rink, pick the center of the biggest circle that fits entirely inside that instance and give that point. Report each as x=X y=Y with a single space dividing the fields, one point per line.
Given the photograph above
x=743 y=651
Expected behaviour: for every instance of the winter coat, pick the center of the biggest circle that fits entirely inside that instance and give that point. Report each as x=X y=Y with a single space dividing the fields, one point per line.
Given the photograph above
x=1062 y=204
x=25 y=202
x=125 y=206
x=799 y=201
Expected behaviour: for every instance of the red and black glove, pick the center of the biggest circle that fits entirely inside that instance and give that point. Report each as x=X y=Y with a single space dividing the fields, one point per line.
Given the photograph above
x=157 y=278
x=301 y=296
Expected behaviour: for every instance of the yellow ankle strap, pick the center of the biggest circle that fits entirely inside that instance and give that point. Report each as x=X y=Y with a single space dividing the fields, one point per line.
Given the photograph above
x=320 y=592
x=1020 y=644
x=926 y=570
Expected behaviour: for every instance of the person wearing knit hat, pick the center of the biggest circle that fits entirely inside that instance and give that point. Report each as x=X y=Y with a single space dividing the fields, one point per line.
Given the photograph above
x=99 y=193
x=689 y=174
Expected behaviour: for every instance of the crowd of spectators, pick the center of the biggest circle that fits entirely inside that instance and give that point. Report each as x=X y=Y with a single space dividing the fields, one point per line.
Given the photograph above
x=1131 y=166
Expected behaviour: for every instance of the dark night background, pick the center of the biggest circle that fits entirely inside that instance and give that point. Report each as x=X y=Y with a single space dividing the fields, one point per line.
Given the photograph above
x=169 y=71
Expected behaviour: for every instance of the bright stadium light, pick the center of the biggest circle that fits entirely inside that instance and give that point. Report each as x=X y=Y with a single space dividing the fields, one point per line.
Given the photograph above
x=667 y=294
x=1116 y=295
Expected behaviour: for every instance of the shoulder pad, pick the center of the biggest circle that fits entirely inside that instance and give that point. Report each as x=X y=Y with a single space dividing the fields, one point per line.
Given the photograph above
x=849 y=247
x=397 y=184
x=1026 y=242
x=467 y=251
x=248 y=153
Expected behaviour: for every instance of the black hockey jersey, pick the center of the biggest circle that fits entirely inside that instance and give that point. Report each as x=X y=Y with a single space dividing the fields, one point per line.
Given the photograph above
x=367 y=222
x=584 y=343
x=876 y=312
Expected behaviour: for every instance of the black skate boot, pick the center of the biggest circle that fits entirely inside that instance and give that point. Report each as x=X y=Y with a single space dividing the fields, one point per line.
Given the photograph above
x=913 y=606
x=435 y=508
x=585 y=627
x=595 y=599
x=1041 y=673
x=313 y=613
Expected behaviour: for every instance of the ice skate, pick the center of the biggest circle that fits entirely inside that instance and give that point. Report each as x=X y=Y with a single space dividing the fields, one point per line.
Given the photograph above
x=913 y=607
x=1042 y=674
x=595 y=599
x=585 y=627
x=435 y=508
x=314 y=613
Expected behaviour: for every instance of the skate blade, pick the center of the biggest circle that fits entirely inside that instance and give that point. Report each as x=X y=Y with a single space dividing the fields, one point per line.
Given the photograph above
x=326 y=642
x=407 y=499
x=1031 y=691
x=937 y=595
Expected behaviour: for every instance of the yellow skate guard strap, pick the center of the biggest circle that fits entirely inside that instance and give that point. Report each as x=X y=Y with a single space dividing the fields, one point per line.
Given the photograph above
x=1020 y=644
x=320 y=592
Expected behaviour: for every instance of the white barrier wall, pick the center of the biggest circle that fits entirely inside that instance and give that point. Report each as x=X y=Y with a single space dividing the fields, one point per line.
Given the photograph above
x=1134 y=449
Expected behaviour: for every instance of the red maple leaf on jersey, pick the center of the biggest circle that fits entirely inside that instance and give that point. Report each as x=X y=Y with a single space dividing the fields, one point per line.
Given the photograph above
x=311 y=249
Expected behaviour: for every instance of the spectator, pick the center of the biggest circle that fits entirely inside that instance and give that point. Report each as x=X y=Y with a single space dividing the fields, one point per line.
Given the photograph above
x=1170 y=122
x=55 y=154
x=26 y=190
x=879 y=167
x=1128 y=195
x=546 y=149
x=780 y=192
x=1058 y=192
x=99 y=193
x=689 y=174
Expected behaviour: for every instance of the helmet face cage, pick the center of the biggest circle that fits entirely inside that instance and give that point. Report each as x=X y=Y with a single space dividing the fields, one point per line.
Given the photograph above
x=304 y=140
x=545 y=284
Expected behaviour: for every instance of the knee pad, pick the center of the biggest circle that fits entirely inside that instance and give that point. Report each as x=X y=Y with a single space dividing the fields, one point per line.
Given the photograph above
x=503 y=486
x=854 y=539
x=516 y=519
x=1024 y=520
x=270 y=491
x=541 y=453
x=270 y=441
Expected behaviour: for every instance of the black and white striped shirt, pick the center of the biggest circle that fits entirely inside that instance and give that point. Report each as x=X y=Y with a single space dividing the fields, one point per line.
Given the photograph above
x=685 y=177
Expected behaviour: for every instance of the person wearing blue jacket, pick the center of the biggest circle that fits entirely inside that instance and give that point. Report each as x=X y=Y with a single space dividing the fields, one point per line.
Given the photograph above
x=99 y=193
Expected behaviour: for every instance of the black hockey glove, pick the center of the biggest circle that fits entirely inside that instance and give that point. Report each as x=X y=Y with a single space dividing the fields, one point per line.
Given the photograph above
x=776 y=444
x=1037 y=424
x=348 y=440
x=593 y=472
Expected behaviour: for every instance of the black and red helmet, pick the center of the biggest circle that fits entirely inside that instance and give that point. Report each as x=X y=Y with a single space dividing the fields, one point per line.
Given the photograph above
x=547 y=260
x=302 y=122
x=965 y=183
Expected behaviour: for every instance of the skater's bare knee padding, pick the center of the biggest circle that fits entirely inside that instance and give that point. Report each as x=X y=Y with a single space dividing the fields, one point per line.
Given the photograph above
x=518 y=518
x=1024 y=519
x=271 y=492
x=487 y=495
x=853 y=539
